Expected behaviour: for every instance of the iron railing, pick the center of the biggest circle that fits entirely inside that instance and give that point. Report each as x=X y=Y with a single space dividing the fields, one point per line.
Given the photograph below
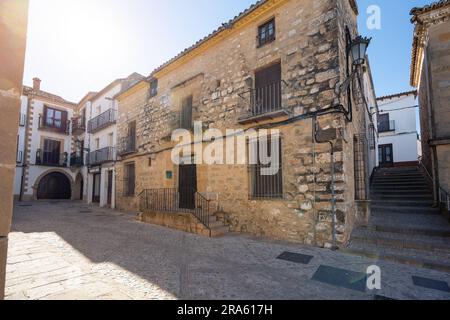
x=79 y=125
x=57 y=126
x=266 y=99
x=126 y=145
x=102 y=121
x=170 y=200
x=51 y=159
x=386 y=126
x=76 y=160
x=100 y=156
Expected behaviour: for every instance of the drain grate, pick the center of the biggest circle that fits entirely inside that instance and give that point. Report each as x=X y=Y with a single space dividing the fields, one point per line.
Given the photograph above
x=431 y=284
x=295 y=257
x=341 y=278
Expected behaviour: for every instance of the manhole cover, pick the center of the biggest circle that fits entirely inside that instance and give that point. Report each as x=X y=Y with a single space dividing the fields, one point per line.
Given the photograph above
x=295 y=257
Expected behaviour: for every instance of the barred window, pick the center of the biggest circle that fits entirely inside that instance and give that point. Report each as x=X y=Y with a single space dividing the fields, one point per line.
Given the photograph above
x=129 y=181
x=263 y=185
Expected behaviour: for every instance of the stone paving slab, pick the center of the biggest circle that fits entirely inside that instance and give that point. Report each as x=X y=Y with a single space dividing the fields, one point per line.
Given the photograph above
x=56 y=251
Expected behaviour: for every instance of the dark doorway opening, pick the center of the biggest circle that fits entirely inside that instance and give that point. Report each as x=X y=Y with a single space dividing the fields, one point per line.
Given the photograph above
x=96 y=188
x=54 y=186
x=386 y=155
x=110 y=185
x=187 y=186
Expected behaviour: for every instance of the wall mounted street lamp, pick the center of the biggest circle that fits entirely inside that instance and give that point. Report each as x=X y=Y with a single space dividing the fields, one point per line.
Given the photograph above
x=358 y=48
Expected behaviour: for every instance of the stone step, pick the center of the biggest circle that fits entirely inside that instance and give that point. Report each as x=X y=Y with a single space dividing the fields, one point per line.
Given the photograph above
x=403 y=210
x=401 y=241
x=401 y=197
x=405 y=189
x=219 y=231
x=386 y=182
x=405 y=185
x=399 y=229
x=410 y=221
x=403 y=203
x=400 y=192
x=406 y=177
x=421 y=259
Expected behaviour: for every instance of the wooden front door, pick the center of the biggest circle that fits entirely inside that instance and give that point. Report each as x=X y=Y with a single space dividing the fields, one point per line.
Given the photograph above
x=187 y=186
x=386 y=155
x=96 y=188
x=110 y=183
x=267 y=89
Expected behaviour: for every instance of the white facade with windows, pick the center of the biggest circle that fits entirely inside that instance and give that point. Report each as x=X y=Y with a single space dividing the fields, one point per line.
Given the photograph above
x=97 y=144
x=397 y=128
x=44 y=147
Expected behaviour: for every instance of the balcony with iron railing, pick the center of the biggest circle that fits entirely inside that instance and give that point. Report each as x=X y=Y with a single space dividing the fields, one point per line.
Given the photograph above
x=100 y=156
x=76 y=160
x=22 y=120
x=386 y=126
x=54 y=125
x=51 y=159
x=126 y=145
x=102 y=121
x=19 y=158
x=78 y=125
x=263 y=102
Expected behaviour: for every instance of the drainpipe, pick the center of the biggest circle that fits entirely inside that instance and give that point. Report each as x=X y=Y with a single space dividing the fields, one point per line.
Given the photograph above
x=25 y=149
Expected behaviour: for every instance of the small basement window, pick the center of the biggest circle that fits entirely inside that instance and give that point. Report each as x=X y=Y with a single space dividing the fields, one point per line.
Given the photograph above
x=266 y=33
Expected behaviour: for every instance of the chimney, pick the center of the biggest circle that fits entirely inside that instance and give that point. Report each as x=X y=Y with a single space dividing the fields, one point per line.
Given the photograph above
x=36 y=84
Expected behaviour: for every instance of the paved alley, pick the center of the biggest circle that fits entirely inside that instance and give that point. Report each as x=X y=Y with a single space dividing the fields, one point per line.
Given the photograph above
x=68 y=250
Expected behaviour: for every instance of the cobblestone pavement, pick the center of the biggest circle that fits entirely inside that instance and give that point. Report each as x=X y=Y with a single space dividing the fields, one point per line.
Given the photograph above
x=69 y=250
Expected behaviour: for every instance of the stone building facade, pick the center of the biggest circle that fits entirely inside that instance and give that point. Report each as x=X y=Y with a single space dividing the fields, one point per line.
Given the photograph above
x=13 y=33
x=430 y=74
x=301 y=47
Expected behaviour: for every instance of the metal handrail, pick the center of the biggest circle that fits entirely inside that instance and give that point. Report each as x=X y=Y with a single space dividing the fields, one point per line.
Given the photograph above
x=168 y=200
x=443 y=195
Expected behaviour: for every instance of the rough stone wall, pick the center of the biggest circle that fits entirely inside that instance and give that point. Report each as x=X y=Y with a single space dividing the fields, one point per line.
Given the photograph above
x=311 y=59
x=439 y=54
x=13 y=29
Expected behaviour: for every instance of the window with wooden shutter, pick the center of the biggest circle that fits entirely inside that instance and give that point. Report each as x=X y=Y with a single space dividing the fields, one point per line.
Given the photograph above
x=129 y=180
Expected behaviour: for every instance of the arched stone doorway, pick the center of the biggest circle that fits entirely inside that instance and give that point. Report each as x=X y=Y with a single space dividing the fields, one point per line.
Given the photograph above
x=78 y=189
x=54 y=186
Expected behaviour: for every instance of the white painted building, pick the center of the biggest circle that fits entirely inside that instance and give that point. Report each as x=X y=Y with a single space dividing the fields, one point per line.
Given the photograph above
x=96 y=139
x=44 y=146
x=397 y=128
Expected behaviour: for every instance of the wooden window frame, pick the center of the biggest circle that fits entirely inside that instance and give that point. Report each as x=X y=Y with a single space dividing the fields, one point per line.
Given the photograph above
x=264 y=29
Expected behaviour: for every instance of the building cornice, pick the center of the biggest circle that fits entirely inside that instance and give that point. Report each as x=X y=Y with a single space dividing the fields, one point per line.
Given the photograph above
x=423 y=18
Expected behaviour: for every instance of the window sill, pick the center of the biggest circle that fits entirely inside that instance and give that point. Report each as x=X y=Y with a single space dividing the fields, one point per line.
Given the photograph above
x=262 y=117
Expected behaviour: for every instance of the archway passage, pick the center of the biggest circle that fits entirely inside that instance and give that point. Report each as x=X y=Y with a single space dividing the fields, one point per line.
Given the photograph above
x=54 y=186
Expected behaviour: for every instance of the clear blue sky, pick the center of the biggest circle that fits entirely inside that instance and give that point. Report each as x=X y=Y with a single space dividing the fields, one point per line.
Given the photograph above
x=80 y=46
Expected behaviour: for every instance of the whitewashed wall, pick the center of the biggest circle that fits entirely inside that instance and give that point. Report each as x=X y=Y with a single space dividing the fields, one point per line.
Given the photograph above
x=405 y=137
